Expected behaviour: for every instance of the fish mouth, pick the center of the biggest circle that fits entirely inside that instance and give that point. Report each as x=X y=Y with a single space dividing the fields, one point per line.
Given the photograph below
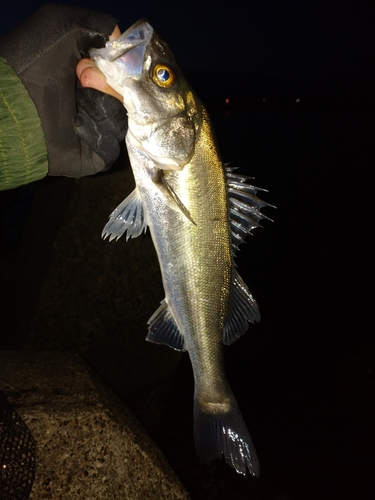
x=129 y=49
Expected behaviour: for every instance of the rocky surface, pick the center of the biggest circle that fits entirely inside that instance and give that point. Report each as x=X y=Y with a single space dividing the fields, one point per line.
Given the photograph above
x=88 y=443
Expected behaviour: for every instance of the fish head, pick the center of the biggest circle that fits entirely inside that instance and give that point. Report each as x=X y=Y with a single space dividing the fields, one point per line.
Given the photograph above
x=163 y=114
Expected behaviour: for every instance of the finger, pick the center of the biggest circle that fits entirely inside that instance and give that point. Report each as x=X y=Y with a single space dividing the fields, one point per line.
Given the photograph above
x=84 y=64
x=115 y=34
x=90 y=76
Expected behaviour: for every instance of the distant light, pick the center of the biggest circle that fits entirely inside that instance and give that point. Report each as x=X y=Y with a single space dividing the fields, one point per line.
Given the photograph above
x=298 y=99
x=264 y=99
x=227 y=100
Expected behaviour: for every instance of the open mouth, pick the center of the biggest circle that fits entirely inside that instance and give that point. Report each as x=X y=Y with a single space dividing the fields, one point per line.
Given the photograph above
x=129 y=49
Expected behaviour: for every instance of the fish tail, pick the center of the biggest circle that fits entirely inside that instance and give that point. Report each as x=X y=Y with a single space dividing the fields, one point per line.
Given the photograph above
x=218 y=432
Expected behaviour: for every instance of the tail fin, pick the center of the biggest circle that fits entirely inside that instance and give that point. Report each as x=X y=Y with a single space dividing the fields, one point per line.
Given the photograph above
x=220 y=433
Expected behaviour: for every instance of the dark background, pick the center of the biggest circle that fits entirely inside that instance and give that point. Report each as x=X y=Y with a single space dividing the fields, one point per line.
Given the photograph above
x=300 y=79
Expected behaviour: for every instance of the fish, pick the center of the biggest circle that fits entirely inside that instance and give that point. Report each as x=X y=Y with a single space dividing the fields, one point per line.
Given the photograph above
x=198 y=211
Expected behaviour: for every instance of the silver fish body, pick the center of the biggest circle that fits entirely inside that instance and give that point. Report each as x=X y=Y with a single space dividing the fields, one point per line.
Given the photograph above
x=198 y=212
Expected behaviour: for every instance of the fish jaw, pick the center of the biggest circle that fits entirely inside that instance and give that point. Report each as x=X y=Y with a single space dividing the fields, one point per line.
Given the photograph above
x=124 y=56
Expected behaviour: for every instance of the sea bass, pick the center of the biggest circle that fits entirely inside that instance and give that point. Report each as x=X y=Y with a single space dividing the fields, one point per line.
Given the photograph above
x=198 y=211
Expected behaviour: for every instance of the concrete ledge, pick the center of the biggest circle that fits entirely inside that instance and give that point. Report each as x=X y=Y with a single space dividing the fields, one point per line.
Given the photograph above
x=88 y=443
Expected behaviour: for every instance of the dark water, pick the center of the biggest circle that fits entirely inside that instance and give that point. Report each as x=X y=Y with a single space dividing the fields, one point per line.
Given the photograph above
x=303 y=377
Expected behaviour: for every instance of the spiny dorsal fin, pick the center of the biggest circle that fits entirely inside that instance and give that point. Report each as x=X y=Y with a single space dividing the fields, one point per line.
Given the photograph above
x=128 y=216
x=163 y=328
x=245 y=207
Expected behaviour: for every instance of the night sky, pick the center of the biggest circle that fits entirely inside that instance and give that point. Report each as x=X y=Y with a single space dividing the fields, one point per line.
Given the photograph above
x=323 y=47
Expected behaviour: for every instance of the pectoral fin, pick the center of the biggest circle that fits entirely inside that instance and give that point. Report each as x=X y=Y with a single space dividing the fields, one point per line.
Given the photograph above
x=171 y=195
x=128 y=216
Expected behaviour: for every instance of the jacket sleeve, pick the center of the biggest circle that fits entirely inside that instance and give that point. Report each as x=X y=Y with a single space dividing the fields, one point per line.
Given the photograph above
x=23 y=152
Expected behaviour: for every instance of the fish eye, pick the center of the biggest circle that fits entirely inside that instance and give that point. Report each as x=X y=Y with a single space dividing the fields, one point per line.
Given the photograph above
x=163 y=75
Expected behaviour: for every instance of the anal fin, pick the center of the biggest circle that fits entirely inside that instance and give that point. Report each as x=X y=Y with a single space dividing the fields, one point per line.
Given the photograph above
x=164 y=330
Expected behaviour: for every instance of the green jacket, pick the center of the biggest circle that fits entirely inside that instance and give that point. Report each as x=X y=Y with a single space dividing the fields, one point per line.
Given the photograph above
x=23 y=152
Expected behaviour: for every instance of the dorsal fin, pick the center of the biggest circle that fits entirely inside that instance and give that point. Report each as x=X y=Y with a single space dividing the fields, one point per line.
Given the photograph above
x=245 y=207
x=242 y=309
x=245 y=214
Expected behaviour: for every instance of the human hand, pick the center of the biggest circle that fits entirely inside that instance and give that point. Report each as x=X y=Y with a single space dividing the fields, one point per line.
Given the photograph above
x=99 y=114
x=90 y=75
x=44 y=52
